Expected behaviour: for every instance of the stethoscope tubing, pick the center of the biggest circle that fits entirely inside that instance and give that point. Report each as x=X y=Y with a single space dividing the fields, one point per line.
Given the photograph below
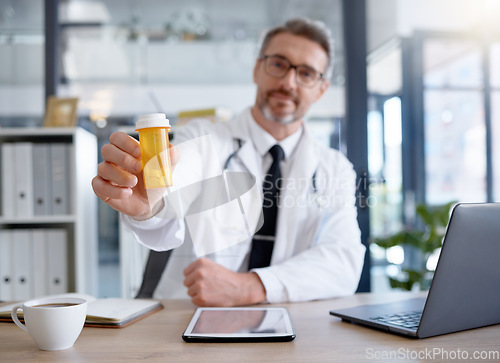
x=234 y=153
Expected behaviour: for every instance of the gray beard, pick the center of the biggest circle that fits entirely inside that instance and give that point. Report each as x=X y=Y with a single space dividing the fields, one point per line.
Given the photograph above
x=282 y=120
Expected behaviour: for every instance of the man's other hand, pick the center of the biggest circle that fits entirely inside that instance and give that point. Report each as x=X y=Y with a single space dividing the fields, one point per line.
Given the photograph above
x=210 y=284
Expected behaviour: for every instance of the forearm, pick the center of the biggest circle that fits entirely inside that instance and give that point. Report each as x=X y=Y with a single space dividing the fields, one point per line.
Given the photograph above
x=156 y=233
x=319 y=273
x=330 y=267
x=254 y=291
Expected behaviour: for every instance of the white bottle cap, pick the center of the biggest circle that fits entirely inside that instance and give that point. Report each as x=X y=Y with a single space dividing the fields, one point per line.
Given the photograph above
x=152 y=120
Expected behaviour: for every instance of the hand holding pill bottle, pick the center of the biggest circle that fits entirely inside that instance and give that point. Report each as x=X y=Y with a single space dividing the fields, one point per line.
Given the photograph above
x=155 y=155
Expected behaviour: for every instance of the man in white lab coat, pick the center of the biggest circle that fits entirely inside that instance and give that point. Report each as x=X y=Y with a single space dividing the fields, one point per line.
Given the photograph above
x=317 y=253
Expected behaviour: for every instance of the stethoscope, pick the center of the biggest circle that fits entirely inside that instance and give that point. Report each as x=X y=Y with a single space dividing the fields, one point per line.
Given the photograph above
x=319 y=199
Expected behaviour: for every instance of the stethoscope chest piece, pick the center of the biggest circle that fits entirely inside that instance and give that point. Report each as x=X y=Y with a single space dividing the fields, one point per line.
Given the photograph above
x=320 y=200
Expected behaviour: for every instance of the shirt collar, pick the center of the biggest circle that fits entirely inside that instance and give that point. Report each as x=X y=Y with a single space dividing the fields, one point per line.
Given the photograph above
x=263 y=140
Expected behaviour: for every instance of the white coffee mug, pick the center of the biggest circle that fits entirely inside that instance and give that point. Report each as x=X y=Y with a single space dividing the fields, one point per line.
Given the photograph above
x=53 y=323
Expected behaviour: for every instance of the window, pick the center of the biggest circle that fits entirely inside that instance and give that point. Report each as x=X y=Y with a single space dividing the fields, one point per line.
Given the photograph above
x=454 y=122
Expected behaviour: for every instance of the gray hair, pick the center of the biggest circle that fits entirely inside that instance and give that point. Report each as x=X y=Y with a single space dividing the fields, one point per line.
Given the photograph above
x=314 y=30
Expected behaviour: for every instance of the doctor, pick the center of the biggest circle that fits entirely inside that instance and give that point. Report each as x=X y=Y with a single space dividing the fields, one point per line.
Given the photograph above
x=317 y=253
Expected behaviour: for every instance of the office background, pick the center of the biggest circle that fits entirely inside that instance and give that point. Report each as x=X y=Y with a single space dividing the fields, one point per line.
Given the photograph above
x=413 y=101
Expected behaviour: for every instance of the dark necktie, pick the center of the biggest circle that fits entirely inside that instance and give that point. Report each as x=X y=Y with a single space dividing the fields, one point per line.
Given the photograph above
x=263 y=240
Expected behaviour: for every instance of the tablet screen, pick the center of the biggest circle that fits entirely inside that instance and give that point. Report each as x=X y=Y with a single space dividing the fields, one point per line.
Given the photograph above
x=240 y=324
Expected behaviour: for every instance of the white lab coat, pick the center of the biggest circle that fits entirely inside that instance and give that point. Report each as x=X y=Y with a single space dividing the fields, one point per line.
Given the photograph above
x=317 y=253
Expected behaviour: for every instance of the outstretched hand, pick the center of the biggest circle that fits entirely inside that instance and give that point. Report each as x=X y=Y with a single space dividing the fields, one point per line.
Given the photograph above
x=119 y=181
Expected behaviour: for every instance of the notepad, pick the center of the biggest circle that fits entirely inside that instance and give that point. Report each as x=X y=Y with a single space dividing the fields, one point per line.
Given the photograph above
x=105 y=313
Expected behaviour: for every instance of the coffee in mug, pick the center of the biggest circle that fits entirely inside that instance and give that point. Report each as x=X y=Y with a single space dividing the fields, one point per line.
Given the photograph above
x=55 y=305
x=53 y=323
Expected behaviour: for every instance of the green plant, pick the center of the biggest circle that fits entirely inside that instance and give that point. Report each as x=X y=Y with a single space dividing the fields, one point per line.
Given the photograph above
x=435 y=220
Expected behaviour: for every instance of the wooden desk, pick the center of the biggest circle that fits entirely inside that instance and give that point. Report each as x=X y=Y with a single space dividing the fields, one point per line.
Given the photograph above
x=320 y=338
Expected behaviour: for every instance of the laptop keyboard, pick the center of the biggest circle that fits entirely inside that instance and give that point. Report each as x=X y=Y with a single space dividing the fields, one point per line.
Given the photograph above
x=409 y=320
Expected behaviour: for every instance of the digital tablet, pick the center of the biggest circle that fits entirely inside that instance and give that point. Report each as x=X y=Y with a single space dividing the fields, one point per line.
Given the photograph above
x=242 y=324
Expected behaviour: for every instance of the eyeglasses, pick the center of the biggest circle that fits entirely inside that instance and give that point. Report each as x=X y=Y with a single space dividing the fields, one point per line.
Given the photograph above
x=278 y=66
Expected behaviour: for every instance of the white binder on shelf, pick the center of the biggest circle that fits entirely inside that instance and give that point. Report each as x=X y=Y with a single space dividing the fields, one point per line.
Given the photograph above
x=40 y=262
x=60 y=173
x=57 y=261
x=22 y=260
x=6 y=291
x=7 y=180
x=24 y=178
x=42 y=186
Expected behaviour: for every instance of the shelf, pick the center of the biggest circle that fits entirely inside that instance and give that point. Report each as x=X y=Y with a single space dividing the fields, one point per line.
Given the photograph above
x=81 y=24
x=53 y=219
x=65 y=164
x=9 y=132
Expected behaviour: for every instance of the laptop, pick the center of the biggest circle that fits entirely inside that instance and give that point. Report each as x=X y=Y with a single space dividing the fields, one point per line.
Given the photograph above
x=465 y=290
